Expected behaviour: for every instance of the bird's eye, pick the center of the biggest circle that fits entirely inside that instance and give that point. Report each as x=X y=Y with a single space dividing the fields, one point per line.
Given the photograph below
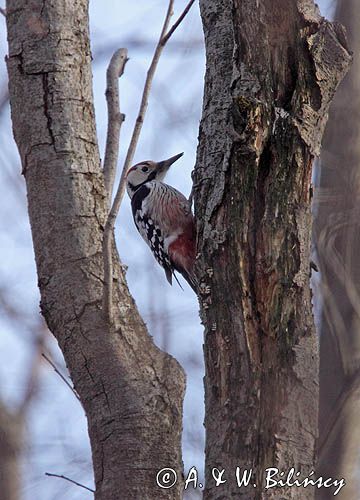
x=145 y=169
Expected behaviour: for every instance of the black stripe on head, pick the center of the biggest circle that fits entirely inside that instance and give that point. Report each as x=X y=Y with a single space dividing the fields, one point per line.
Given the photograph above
x=140 y=194
x=131 y=187
x=151 y=177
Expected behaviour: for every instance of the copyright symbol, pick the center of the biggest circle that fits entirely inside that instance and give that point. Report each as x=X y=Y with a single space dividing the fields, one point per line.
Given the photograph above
x=166 y=478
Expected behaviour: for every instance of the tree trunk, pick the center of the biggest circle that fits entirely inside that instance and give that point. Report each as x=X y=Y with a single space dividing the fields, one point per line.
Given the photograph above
x=338 y=246
x=11 y=446
x=272 y=69
x=131 y=391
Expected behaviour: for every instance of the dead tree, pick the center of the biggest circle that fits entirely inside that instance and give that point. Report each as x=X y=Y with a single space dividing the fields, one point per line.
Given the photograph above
x=272 y=69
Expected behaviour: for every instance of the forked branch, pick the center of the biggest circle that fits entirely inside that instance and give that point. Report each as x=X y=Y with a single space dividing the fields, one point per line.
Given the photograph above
x=109 y=226
x=177 y=23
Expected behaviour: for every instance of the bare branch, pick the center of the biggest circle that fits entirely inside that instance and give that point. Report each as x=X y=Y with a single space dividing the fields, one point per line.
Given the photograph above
x=51 y=363
x=3 y=11
x=115 y=118
x=178 y=22
x=109 y=226
x=70 y=480
x=135 y=43
x=108 y=232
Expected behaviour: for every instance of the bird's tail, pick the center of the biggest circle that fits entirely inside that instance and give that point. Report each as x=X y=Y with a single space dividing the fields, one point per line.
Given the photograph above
x=191 y=279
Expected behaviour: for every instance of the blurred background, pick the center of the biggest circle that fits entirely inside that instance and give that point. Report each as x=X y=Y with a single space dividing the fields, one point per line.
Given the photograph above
x=56 y=438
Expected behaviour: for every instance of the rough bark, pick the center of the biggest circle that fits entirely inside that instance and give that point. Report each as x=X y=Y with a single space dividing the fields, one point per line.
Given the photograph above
x=338 y=248
x=131 y=391
x=272 y=70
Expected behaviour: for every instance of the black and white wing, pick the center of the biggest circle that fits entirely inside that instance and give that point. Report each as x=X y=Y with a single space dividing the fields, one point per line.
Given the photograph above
x=150 y=231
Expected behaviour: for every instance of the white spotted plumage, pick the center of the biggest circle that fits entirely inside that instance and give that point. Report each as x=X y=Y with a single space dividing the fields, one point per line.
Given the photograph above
x=163 y=218
x=152 y=235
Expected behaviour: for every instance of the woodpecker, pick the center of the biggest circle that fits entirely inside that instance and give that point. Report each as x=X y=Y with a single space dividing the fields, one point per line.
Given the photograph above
x=163 y=217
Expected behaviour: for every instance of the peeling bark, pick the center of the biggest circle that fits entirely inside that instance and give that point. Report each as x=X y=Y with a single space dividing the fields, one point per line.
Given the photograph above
x=131 y=391
x=272 y=70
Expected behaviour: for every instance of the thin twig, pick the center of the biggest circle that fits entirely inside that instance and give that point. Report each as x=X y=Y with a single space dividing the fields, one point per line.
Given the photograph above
x=109 y=226
x=3 y=11
x=135 y=43
x=179 y=21
x=51 y=363
x=70 y=480
x=115 y=118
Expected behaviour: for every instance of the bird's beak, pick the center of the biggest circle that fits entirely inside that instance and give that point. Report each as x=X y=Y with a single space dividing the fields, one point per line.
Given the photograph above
x=163 y=166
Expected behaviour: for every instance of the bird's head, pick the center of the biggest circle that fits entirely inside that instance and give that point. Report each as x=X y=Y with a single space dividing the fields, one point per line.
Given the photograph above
x=146 y=171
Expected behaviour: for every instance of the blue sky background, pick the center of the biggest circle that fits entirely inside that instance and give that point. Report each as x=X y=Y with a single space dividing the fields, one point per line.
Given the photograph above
x=57 y=427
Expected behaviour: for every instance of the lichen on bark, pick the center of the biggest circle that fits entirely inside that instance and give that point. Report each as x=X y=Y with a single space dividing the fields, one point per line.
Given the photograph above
x=272 y=70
